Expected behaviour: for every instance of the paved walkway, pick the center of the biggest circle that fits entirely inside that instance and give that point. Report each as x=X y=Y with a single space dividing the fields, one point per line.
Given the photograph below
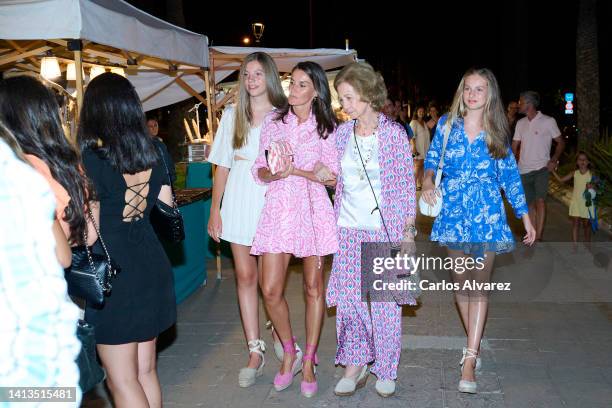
x=548 y=344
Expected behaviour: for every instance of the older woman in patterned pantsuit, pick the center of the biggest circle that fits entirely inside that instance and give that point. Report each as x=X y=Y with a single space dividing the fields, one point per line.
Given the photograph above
x=364 y=336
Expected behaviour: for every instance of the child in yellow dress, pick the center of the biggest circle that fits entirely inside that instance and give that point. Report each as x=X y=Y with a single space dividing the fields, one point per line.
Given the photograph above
x=578 y=210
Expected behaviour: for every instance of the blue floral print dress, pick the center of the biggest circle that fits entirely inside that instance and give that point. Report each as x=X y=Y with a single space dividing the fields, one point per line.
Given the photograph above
x=473 y=217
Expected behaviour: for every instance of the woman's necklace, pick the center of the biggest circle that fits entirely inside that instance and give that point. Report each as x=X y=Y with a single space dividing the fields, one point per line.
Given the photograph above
x=363 y=152
x=366 y=147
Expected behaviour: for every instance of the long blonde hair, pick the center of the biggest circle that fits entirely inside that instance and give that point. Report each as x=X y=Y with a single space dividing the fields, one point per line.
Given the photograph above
x=495 y=122
x=276 y=96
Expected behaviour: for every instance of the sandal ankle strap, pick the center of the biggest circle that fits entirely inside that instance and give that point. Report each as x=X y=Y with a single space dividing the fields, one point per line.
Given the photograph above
x=257 y=346
x=289 y=347
x=310 y=354
x=468 y=353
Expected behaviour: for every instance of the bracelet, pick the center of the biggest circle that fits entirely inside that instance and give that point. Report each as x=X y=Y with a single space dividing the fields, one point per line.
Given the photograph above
x=410 y=229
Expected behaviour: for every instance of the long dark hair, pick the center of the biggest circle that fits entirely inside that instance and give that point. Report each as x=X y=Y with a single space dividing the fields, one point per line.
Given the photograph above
x=321 y=106
x=112 y=113
x=31 y=112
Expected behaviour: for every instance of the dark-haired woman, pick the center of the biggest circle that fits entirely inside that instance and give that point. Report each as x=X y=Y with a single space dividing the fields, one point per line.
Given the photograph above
x=31 y=112
x=297 y=218
x=123 y=164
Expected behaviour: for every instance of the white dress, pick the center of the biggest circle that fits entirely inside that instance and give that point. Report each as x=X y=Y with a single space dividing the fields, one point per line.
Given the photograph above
x=421 y=138
x=243 y=199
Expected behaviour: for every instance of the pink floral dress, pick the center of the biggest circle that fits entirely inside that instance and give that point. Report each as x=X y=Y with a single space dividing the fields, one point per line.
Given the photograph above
x=298 y=217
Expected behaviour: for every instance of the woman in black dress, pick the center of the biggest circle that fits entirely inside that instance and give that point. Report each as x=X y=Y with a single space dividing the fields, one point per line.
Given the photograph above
x=128 y=176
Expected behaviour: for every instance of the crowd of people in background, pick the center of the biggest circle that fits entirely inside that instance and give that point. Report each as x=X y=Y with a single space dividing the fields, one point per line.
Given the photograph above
x=375 y=159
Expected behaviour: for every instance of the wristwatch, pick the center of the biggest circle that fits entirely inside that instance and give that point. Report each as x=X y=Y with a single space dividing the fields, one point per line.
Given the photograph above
x=411 y=229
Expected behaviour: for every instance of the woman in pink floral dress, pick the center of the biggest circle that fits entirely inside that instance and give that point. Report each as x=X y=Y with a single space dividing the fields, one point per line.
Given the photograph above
x=298 y=218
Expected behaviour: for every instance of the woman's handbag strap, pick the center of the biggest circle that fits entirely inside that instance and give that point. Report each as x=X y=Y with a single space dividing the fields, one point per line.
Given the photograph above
x=447 y=129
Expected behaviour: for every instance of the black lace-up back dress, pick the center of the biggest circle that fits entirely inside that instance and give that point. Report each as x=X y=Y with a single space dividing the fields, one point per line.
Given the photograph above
x=142 y=303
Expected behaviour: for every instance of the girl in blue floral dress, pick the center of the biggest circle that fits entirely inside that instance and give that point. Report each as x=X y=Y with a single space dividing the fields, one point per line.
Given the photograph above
x=478 y=163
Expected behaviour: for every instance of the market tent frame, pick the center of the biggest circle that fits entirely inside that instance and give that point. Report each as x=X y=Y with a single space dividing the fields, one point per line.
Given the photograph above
x=165 y=63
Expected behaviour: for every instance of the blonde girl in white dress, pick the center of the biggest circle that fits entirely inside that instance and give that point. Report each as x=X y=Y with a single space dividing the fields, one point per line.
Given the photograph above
x=237 y=200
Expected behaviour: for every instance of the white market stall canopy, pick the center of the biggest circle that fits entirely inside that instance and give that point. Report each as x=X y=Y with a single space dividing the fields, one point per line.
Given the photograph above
x=163 y=61
x=110 y=22
x=166 y=63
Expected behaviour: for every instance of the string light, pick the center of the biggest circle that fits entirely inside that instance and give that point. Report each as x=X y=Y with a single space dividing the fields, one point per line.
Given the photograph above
x=49 y=68
x=95 y=71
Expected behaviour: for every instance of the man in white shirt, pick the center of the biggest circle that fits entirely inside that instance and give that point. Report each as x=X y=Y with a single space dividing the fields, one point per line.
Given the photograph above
x=534 y=135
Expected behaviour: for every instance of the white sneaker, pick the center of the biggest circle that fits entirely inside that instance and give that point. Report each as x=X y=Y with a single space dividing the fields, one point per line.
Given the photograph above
x=385 y=388
x=347 y=386
x=247 y=375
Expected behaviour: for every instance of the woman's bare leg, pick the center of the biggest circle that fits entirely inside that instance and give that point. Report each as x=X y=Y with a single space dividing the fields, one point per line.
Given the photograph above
x=274 y=274
x=248 y=301
x=477 y=315
x=462 y=298
x=121 y=364
x=315 y=307
x=147 y=372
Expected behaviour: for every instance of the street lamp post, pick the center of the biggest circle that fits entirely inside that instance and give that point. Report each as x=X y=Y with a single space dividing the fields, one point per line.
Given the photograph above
x=258 y=29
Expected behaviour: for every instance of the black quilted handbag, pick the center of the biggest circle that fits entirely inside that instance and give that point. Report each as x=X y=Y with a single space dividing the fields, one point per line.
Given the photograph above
x=89 y=275
x=167 y=220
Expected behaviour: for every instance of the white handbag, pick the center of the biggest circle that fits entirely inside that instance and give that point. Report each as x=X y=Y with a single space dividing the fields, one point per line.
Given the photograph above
x=424 y=207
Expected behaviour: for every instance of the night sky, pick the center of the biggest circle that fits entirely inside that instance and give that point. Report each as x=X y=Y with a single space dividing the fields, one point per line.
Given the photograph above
x=423 y=48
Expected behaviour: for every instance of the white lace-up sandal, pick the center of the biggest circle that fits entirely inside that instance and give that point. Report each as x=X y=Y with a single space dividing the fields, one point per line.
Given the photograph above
x=478 y=361
x=465 y=385
x=247 y=375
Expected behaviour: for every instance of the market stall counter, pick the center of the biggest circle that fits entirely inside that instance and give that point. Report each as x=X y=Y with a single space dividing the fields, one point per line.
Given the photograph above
x=199 y=175
x=188 y=258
